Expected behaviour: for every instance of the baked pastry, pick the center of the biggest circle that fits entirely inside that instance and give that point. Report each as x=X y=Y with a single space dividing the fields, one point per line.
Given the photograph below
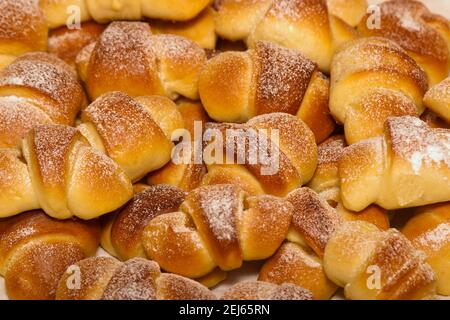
x=424 y=35
x=298 y=265
x=128 y=58
x=438 y=99
x=237 y=86
x=37 y=88
x=62 y=174
x=66 y=43
x=373 y=264
x=408 y=166
x=35 y=250
x=288 y=163
x=105 y=278
x=429 y=231
x=22 y=29
x=259 y=290
x=200 y=29
x=326 y=183
x=350 y=11
x=135 y=133
x=373 y=79
x=299 y=261
x=304 y=25
x=192 y=234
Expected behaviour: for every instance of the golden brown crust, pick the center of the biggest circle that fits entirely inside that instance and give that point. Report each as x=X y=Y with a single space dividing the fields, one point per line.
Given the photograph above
x=64 y=12
x=429 y=231
x=69 y=177
x=105 y=278
x=130 y=221
x=314 y=219
x=258 y=290
x=46 y=82
x=133 y=131
x=236 y=86
x=66 y=43
x=218 y=225
x=372 y=79
x=150 y=65
x=294 y=264
x=400 y=270
x=46 y=249
x=22 y=27
x=407 y=24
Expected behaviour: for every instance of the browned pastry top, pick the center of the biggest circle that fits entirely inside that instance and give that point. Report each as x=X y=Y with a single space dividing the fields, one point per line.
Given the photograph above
x=282 y=77
x=406 y=23
x=49 y=79
x=24 y=22
x=313 y=218
x=67 y=43
x=259 y=290
x=130 y=222
x=331 y=150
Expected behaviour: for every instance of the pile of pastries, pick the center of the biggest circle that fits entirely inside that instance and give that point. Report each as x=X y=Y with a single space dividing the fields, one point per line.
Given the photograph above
x=93 y=93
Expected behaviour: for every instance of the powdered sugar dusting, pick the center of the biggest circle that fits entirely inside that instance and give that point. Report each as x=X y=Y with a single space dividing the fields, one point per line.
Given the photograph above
x=422 y=146
x=435 y=238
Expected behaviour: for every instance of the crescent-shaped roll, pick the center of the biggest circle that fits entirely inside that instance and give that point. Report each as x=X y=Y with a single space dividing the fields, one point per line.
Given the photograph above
x=280 y=163
x=373 y=79
x=128 y=58
x=135 y=132
x=304 y=25
x=62 y=174
x=35 y=251
x=376 y=265
x=105 y=278
x=429 y=231
x=408 y=166
x=237 y=86
x=424 y=35
x=192 y=234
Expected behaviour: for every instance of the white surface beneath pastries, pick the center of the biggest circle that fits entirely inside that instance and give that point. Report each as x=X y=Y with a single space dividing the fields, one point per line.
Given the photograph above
x=250 y=270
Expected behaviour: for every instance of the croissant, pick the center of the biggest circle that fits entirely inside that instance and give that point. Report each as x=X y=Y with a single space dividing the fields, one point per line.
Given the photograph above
x=66 y=43
x=105 y=278
x=190 y=235
x=373 y=79
x=259 y=290
x=128 y=58
x=429 y=231
x=62 y=174
x=406 y=167
x=438 y=99
x=326 y=183
x=373 y=264
x=236 y=86
x=304 y=25
x=424 y=35
x=23 y=29
x=135 y=133
x=35 y=250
